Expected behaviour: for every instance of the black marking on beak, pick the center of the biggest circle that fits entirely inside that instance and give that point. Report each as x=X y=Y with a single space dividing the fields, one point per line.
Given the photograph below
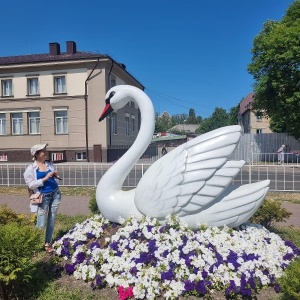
x=108 y=109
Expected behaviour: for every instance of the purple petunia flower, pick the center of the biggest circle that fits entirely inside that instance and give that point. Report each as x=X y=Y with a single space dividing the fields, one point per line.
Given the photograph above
x=94 y=245
x=69 y=269
x=80 y=257
x=169 y=275
x=201 y=286
x=114 y=246
x=189 y=285
x=276 y=288
x=99 y=280
x=65 y=252
x=90 y=235
x=204 y=274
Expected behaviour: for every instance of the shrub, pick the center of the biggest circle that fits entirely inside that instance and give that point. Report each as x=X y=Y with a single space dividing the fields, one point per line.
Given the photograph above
x=93 y=205
x=18 y=243
x=269 y=213
x=290 y=281
x=7 y=215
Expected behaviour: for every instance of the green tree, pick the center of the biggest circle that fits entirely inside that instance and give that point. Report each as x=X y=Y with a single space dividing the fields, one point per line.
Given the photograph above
x=275 y=67
x=192 y=117
x=233 y=115
x=219 y=118
x=162 y=123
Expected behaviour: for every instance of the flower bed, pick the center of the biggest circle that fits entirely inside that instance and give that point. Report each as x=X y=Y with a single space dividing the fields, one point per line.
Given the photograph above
x=145 y=259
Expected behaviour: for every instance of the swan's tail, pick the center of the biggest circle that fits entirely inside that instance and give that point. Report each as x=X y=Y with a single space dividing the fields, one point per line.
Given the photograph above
x=236 y=207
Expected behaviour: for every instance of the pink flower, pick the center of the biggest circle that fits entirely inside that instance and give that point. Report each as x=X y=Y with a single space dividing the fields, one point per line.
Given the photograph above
x=125 y=293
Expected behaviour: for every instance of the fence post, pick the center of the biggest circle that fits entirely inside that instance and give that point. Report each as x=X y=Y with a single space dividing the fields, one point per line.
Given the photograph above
x=7 y=175
x=250 y=173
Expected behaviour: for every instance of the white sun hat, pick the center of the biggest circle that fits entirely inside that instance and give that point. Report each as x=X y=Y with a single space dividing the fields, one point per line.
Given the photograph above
x=37 y=147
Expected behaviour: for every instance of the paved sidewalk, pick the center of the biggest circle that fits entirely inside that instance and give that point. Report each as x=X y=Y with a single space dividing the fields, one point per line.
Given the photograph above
x=70 y=205
x=75 y=205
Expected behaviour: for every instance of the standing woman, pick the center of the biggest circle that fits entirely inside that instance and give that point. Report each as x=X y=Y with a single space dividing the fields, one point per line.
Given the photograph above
x=40 y=177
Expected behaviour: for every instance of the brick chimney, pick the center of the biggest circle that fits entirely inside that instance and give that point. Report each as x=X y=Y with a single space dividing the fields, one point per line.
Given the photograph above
x=54 y=48
x=71 y=47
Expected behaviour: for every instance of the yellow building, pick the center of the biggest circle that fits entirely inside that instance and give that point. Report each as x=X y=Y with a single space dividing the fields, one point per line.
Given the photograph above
x=57 y=98
x=252 y=122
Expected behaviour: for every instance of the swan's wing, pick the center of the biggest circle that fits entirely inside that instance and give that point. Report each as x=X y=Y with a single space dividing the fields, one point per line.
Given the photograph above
x=183 y=181
x=235 y=208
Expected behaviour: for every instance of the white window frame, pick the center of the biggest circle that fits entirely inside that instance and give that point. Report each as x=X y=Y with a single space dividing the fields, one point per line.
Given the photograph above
x=80 y=156
x=2 y=124
x=113 y=124
x=34 y=122
x=58 y=120
x=33 y=89
x=126 y=125
x=57 y=89
x=7 y=84
x=259 y=131
x=16 y=124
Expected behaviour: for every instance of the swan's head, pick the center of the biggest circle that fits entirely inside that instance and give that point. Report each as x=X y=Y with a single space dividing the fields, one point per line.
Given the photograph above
x=116 y=98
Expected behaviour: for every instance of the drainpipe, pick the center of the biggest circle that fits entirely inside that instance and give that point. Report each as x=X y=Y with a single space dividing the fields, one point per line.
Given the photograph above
x=86 y=112
x=109 y=120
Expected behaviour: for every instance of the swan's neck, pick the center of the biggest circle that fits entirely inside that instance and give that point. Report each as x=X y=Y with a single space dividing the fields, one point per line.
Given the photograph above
x=115 y=176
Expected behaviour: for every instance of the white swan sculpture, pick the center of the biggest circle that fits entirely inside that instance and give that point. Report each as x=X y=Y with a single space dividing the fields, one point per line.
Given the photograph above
x=193 y=181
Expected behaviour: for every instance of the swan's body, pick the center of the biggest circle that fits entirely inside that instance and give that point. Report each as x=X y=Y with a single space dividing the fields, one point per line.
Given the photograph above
x=192 y=181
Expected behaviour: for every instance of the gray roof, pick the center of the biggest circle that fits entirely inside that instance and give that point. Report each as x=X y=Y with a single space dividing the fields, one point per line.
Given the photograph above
x=185 y=127
x=46 y=57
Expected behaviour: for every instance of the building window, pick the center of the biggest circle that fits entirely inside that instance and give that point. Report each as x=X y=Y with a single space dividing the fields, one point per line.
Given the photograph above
x=133 y=124
x=60 y=84
x=2 y=124
x=127 y=125
x=17 y=123
x=80 y=155
x=34 y=122
x=6 y=88
x=113 y=124
x=258 y=131
x=33 y=86
x=131 y=103
x=61 y=122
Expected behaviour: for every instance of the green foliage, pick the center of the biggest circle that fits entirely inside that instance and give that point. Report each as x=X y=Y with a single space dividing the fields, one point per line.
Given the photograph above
x=7 y=215
x=18 y=243
x=162 y=123
x=275 y=67
x=269 y=213
x=290 y=281
x=192 y=119
x=219 y=118
x=289 y=233
x=93 y=205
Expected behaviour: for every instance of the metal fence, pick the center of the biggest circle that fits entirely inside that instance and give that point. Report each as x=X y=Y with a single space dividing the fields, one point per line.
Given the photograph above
x=283 y=178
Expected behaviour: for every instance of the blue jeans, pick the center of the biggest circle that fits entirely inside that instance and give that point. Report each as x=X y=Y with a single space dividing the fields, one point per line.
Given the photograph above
x=47 y=211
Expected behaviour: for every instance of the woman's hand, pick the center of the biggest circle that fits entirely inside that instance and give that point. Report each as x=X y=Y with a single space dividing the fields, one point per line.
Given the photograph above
x=50 y=174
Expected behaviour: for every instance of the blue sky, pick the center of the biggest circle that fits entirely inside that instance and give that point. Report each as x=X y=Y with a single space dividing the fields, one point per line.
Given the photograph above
x=187 y=54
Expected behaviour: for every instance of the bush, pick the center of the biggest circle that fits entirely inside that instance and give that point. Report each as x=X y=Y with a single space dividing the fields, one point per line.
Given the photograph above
x=93 y=205
x=269 y=213
x=290 y=281
x=7 y=215
x=18 y=244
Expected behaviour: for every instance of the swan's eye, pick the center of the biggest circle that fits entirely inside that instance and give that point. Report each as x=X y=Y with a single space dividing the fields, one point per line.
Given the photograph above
x=107 y=101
